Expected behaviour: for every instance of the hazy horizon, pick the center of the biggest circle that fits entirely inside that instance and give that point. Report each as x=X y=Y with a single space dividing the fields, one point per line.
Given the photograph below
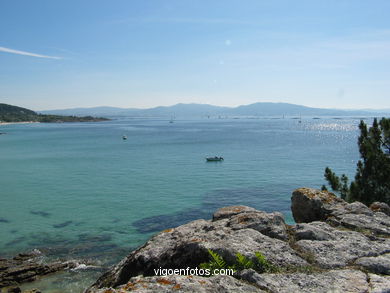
x=137 y=54
x=144 y=108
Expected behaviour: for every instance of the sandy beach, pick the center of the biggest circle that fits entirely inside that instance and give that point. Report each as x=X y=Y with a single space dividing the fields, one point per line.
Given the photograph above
x=24 y=122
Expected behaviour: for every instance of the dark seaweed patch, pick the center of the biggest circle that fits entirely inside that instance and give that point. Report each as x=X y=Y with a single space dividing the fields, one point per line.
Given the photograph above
x=3 y=220
x=41 y=213
x=62 y=225
x=94 y=238
x=256 y=198
x=161 y=222
x=15 y=241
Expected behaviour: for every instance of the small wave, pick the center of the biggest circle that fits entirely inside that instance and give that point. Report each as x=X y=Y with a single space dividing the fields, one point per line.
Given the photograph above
x=83 y=266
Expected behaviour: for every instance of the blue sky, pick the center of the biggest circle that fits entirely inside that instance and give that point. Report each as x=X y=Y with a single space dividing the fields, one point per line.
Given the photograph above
x=141 y=53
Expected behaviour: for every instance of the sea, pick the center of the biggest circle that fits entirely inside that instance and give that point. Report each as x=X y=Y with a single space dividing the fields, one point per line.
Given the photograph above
x=80 y=191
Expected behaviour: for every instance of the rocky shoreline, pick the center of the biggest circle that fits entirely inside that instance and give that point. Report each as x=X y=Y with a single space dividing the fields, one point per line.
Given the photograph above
x=27 y=267
x=334 y=247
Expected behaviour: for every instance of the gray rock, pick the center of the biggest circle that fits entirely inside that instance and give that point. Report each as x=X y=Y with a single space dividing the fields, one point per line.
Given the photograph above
x=308 y=205
x=26 y=267
x=227 y=212
x=314 y=231
x=380 y=207
x=333 y=248
x=331 y=234
x=270 y=224
x=217 y=284
x=376 y=264
x=331 y=281
x=376 y=224
x=357 y=208
x=379 y=284
x=187 y=246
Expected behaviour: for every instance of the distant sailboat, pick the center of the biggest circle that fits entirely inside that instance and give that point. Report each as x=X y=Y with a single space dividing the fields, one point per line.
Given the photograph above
x=300 y=119
x=172 y=118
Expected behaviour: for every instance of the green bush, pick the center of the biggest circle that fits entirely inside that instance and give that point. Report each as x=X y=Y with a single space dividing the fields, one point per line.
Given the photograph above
x=259 y=263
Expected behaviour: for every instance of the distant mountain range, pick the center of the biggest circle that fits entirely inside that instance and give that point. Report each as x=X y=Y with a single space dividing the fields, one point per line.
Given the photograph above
x=204 y=110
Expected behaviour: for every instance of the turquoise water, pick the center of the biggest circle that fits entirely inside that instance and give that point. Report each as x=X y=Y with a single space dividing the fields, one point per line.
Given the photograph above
x=79 y=190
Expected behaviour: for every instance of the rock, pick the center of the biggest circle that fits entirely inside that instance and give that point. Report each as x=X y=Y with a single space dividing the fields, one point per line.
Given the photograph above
x=376 y=264
x=356 y=207
x=314 y=231
x=14 y=290
x=26 y=267
x=331 y=281
x=187 y=246
x=332 y=248
x=270 y=224
x=188 y=284
x=376 y=224
x=227 y=212
x=308 y=205
x=379 y=284
x=380 y=207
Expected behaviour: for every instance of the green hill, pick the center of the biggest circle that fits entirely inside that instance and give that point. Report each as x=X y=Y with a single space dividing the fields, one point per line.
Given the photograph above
x=9 y=113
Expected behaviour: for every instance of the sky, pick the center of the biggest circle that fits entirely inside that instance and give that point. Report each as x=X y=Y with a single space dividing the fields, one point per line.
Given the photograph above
x=146 y=53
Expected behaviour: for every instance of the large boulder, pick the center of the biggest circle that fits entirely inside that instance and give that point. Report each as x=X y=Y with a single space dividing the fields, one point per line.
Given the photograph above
x=187 y=245
x=308 y=205
x=334 y=247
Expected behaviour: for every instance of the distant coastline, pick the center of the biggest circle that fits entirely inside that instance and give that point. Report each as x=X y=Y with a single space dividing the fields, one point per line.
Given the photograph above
x=14 y=114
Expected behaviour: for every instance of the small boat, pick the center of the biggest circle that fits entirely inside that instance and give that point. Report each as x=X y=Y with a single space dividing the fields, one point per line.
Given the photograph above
x=214 y=159
x=124 y=137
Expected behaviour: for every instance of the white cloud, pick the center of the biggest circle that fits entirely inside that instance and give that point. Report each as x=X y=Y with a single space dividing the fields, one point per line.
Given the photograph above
x=12 y=51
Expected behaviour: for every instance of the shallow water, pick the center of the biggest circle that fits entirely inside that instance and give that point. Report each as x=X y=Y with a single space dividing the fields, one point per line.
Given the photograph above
x=79 y=190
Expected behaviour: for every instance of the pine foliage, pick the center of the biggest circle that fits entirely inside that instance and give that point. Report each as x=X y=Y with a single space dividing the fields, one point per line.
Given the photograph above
x=372 y=179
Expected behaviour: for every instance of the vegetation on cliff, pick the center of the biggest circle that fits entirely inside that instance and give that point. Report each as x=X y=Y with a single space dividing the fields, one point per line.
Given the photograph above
x=9 y=113
x=372 y=179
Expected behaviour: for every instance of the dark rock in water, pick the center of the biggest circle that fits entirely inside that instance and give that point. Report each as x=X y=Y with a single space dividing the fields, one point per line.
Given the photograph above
x=334 y=247
x=41 y=213
x=26 y=267
x=62 y=225
x=3 y=220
